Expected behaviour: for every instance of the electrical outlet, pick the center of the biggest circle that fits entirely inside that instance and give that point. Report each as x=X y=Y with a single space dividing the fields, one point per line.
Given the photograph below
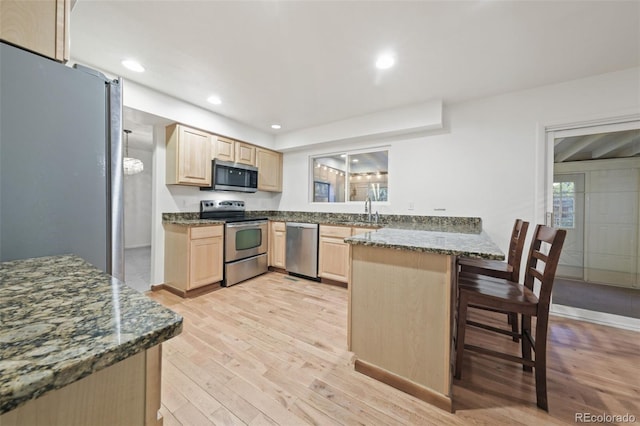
x=411 y=205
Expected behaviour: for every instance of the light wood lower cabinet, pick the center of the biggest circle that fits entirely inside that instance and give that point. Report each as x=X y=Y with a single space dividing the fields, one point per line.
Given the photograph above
x=334 y=253
x=126 y=393
x=40 y=26
x=193 y=256
x=277 y=244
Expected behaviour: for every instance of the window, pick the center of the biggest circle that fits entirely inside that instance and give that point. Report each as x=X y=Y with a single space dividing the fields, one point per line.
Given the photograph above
x=564 y=204
x=343 y=177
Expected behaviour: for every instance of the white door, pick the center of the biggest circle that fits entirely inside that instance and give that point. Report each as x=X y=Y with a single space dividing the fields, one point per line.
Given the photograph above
x=568 y=214
x=594 y=195
x=611 y=249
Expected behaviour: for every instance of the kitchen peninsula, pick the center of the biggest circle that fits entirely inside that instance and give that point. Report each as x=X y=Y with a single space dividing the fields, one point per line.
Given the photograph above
x=402 y=297
x=78 y=346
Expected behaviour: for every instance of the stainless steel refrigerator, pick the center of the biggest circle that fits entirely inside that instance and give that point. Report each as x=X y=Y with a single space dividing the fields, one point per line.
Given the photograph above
x=60 y=161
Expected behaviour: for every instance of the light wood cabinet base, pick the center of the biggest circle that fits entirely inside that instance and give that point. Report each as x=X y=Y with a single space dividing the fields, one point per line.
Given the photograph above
x=187 y=294
x=400 y=318
x=398 y=382
x=126 y=393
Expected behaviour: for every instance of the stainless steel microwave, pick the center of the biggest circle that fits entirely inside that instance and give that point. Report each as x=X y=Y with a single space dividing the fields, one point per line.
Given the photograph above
x=227 y=176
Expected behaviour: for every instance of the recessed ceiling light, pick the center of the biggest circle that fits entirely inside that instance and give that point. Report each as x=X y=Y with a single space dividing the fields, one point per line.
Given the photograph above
x=355 y=160
x=343 y=155
x=133 y=65
x=214 y=100
x=276 y=126
x=385 y=61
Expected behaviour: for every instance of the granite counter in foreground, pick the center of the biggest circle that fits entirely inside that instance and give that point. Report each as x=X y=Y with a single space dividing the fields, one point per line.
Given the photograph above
x=61 y=319
x=448 y=243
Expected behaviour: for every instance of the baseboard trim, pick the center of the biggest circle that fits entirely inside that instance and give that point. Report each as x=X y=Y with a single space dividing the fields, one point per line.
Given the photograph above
x=425 y=394
x=333 y=282
x=603 y=318
x=190 y=293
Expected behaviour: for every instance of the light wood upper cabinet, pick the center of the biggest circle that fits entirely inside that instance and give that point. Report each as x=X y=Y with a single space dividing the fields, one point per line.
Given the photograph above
x=245 y=153
x=40 y=26
x=224 y=149
x=277 y=244
x=193 y=256
x=188 y=156
x=269 y=165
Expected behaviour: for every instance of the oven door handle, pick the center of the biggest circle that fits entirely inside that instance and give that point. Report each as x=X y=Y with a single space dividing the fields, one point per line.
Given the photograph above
x=246 y=224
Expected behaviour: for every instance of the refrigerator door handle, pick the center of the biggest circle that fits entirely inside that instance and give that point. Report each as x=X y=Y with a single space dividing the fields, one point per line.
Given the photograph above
x=115 y=190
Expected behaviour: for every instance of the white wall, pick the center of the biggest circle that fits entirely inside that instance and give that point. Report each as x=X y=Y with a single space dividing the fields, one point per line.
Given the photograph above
x=144 y=99
x=489 y=161
x=137 y=203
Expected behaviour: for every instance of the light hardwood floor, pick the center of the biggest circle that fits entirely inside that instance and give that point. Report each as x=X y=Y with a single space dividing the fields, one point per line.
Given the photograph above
x=272 y=350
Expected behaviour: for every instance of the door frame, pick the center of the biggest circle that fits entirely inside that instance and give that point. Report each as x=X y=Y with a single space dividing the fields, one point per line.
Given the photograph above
x=543 y=203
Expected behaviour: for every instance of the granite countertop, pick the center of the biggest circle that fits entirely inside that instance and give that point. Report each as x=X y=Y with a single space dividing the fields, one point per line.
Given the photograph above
x=471 y=225
x=450 y=243
x=62 y=319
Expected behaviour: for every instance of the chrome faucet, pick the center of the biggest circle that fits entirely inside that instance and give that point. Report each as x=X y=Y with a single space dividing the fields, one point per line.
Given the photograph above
x=367 y=208
x=377 y=217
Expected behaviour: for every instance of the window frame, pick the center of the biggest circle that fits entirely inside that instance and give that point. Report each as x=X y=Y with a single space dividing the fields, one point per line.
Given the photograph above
x=349 y=152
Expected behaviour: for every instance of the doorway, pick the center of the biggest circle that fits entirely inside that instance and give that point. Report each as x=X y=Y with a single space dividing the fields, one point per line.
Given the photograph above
x=595 y=198
x=138 y=203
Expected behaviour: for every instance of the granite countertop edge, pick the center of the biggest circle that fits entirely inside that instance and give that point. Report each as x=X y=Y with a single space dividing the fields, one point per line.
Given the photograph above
x=448 y=243
x=24 y=375
x=469 y=225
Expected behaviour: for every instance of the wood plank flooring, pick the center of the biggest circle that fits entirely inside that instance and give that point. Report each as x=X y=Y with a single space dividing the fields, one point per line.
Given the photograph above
x=272 y=351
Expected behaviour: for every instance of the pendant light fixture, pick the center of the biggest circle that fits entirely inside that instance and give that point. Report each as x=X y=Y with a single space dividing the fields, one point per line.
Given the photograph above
x=132 y=166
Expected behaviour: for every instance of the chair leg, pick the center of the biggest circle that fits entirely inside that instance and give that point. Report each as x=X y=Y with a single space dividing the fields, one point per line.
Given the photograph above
x=526 y=344
x=463 y=302
x=541 y=363
x=513 y=320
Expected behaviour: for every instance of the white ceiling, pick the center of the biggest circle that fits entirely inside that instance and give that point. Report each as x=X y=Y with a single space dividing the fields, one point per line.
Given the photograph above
x=597 y=146
x=306 y=63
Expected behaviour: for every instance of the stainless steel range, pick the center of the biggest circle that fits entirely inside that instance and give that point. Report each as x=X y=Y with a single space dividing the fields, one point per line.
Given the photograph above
x=245 y=239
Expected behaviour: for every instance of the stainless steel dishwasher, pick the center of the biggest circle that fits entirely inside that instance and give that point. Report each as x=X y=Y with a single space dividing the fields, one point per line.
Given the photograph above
x=302 y=249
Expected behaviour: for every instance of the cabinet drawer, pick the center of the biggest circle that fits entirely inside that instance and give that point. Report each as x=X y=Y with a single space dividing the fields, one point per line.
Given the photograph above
x=206 y=232
x=335 y=231
x=279 y=226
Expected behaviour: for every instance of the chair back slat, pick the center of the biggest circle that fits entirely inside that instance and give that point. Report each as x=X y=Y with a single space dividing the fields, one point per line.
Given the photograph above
x=516 y=247
x=545 y=274
x=536 y=274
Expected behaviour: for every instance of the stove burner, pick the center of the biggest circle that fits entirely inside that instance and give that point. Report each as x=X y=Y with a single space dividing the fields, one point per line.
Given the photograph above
x=226 y=211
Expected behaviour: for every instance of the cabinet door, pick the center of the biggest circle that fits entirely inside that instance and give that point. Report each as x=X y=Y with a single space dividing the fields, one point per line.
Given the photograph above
x=188 y=156
x=334 y=259
x=40 y=26
x=205 y=261
x=278 y=240
x=194 y=153
x=245 y=153
x=269 y=165
x=333 y=256
x=225 y=149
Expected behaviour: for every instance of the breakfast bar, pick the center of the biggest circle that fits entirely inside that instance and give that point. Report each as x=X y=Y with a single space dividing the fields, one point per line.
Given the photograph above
x=78 y=346
x=402 y=297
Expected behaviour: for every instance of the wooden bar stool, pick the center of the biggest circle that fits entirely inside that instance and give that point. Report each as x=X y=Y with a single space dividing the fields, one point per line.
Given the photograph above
x=509 y=270
x=510 y=296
